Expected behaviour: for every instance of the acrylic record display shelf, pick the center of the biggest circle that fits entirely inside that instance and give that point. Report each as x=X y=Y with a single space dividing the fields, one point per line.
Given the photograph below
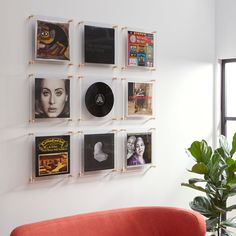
x=50 y=98
x=99 y=44
x=99 y=95
x=51 y=156
x=51 y=37
x=140 y=46
x=139 y=101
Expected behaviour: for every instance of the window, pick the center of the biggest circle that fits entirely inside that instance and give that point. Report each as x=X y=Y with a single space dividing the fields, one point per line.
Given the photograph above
x=228 y=97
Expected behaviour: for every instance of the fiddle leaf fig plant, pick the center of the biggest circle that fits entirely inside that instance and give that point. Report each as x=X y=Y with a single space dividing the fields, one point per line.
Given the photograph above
x=217 y=171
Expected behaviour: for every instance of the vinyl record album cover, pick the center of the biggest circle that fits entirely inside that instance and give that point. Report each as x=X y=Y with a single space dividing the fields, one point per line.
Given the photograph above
x=52 y=155
x=52 y=98
x=140 y=99
x=139 y=149
x=98 y=152
x=140 y=49
x=99 y=99
x=99 y=45
x=52 y=41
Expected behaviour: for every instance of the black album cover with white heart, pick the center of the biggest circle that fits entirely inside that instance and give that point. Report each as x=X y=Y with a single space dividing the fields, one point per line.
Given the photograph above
x=99 y=99
x=98 y=152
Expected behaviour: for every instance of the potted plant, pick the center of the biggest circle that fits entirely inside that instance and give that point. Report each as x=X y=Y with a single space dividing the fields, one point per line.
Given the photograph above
x=218 y=181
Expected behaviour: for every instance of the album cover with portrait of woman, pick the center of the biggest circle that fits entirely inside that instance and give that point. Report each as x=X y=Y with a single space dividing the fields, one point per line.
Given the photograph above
x=52 y=98
x=138 y=149
x=140 y=99
x=52 y=40
x=98 y=152
x=52 y=155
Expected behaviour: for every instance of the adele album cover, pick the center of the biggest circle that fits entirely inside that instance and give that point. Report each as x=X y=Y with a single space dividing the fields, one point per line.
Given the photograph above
x=140 y=49
x=52 y=155
x=139 y=149
x=52 y=98
x=98 y=152
x=99 y=45
x=52 y=41
x=139 y=99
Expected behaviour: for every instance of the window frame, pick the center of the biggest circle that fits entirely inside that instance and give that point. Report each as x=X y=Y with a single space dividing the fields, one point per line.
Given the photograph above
x=225 y=118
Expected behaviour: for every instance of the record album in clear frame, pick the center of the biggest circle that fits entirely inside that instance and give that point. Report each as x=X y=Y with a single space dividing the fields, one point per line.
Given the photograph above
x=51 y=98
x=52 y=155
x=140 y=49
x=99 y=44
x=139 y=149
x=99 y=152
x=139 y=99
x=52 y=40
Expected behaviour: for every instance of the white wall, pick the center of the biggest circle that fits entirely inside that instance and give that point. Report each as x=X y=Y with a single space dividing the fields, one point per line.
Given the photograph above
x=185 y=60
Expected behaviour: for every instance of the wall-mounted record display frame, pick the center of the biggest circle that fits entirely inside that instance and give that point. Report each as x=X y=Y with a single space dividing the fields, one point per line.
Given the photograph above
x=98 y=98
x=138 y=149
x=52 y=39
x=50 y=98
x=51 y=155
x=99 y=44
x=98 y=152
x=139 y=99
x=140 y=48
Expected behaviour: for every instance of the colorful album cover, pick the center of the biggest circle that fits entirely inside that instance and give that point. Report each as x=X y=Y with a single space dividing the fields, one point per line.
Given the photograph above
x=140 y=49
x=98 y=152
x=99 y=45
x=140 y=99
x=52 y=155
x=139 y=149
x=52 y=98
x=52 y=41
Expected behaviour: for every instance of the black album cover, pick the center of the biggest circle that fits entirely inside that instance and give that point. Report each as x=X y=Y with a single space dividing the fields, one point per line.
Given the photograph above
x=52 y=155
x=99 y=99
x=99 y=45
x=98 y=152
x=139 y=148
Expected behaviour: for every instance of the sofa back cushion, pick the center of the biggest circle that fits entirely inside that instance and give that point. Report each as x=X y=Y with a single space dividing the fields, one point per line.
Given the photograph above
x=138 y=221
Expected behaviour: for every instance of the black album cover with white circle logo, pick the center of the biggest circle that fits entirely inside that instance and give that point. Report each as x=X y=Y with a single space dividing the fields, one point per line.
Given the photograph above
x=99 y=99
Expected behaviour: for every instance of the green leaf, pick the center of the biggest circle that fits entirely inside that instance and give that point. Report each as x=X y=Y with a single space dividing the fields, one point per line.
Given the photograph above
x=200 y=151
x=195 y=180
x=194 y=187
x=203 y=206
x=229 y=222
x=225 y=145
x=233 y=150
x=211 y=224
x=200 y=168
x=230 y=208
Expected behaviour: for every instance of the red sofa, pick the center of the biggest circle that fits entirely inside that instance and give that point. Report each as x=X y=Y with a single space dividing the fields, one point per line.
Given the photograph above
x=137 y=221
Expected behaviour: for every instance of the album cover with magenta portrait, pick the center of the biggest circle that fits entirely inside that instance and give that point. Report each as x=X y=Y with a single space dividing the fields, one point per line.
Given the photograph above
x=139 y=149
x=52 y=155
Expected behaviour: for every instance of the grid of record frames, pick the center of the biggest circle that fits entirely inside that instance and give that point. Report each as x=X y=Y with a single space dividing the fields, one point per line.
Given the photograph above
x=51 y=96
